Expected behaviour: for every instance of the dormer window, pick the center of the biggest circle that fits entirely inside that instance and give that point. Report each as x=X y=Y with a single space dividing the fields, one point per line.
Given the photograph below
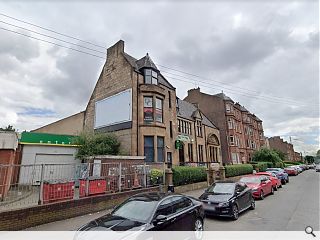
x=150 y=77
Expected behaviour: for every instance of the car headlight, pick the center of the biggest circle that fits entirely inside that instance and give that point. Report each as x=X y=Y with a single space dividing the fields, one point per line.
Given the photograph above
x=255 y=189
x=224 y=204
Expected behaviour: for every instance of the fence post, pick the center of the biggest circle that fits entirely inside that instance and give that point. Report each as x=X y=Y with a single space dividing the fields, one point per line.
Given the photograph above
x=87 y=179
x=120 y=177
x=40 y=201
x=144 y=175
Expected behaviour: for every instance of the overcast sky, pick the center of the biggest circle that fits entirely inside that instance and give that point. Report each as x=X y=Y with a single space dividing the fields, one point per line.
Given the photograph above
x=263 y=54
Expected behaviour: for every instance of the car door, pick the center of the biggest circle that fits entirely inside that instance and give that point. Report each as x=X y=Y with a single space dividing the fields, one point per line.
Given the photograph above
x=164 y=208
x=183 y=213
x=247 y=195
x=240 y=196
x=266 y=184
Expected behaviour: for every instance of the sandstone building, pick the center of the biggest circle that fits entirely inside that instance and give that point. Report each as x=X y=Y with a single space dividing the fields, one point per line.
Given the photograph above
x=241 y=131
x=136 y=102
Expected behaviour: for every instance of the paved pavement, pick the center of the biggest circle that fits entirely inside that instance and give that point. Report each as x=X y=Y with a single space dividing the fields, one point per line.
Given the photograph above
x=292 y=208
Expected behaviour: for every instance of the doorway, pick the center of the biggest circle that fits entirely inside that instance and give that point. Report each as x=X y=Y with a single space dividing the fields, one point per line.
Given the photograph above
x=181 y=155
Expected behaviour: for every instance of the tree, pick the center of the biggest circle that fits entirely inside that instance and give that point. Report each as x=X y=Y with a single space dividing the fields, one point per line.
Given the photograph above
x=266 y=155
x=282 y=155
x=309 y=159
x=93 y=144
x=8 y=128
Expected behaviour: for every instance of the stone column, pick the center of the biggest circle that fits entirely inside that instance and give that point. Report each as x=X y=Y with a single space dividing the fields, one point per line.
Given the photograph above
x=210 y=175
x=222 y=170
x=169 y=180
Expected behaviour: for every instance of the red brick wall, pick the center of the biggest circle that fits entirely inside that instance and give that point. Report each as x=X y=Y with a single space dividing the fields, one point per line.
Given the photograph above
x=33 y=216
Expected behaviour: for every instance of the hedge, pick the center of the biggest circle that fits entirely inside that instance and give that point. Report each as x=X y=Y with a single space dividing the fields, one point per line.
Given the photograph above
x=185 y=175
x=293 y=163
x=261 y=166
x=264 y=165
x=238 y=169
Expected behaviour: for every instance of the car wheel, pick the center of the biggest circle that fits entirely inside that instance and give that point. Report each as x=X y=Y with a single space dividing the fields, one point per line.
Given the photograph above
x=198 y=225
x=280 y=186
x=253 y=204
x=284 y=182
x=235 y=212
x=287 y=180
x=261 y=195
x=272 y=191
x=276 y=187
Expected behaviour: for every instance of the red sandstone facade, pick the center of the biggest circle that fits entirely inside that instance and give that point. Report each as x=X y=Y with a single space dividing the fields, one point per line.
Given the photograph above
x=287 y=148
x=241 y=131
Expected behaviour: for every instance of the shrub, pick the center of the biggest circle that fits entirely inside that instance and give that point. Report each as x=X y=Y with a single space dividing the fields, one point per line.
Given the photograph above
x=266 y=155
x=93 y=144
x=261 y=166
x=155 y=175
x=185 y=175
x=279 y=165
x=238 y=169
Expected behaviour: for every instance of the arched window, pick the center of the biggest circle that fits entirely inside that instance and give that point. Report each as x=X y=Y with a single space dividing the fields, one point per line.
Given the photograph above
x=213 y=140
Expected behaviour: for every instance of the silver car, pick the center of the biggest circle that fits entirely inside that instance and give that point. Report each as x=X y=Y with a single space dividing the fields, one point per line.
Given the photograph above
x=318 y=168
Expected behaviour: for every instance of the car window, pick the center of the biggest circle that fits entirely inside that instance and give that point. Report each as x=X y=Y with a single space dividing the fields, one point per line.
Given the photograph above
x=241 y=187
x=180 y=203
x=136 y=210
x=165 y=208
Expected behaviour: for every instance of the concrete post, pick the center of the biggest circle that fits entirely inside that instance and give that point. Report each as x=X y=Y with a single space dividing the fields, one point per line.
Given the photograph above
x=210 y=179
x=222 y=170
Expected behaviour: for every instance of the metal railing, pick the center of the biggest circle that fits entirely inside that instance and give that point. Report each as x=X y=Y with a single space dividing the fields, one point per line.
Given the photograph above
x=29 y=185
x=197 y=164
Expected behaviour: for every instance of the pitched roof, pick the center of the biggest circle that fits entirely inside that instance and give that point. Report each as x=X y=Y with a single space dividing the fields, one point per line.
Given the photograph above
x=187 y=110
x=146 y=61
x=223 y=96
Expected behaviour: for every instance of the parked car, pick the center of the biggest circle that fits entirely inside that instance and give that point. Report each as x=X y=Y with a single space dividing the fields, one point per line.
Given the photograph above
x=280 y=173
x=276 y=182
x=312 y=166
x=318 y=168
x=291 y=170
x=152 y=212
x=260 y=185
x=227 y=199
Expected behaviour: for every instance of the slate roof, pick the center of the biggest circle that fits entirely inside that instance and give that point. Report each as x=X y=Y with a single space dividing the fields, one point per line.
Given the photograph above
x=223 y=96
x=146 y=61
x=186 y=110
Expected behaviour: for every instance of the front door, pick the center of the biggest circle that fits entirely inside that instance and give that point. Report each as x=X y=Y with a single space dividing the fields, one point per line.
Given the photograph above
x=181 y=154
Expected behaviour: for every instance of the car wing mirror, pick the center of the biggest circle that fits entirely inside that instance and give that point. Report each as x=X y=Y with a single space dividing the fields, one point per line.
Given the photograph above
x=160 y=219
x=238 y=193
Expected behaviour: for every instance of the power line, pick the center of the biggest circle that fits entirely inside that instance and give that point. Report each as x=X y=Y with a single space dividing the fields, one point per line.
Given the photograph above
x=100 y=46
x=41 y=34
x=59 y=45
x=237 y=91
x=193 y=80
x=53 y=31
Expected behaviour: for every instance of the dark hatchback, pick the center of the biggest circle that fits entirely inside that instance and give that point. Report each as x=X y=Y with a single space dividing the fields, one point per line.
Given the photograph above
x=227 y=199
x=152 y=212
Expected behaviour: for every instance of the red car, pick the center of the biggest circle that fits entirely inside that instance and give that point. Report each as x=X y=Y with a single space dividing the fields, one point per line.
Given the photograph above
x=292 y=171
x=260 y=185
x=276 y=182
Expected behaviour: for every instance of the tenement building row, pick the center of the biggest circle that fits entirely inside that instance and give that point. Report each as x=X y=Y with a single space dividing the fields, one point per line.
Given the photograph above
x=136 y=102
x=286 y=148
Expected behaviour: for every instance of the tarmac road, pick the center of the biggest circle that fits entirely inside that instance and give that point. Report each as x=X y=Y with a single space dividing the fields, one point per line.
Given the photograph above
x=292 y=208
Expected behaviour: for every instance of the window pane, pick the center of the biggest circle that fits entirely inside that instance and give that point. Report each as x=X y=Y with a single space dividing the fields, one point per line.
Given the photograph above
x=149 y=148
x=159 y=103
x=147 y=72
x=160 y=146
x=147 y=79
x=154 y=81
x=154 y=74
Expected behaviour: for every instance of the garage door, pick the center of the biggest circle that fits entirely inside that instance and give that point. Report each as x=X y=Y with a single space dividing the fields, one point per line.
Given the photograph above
x=56 y=167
